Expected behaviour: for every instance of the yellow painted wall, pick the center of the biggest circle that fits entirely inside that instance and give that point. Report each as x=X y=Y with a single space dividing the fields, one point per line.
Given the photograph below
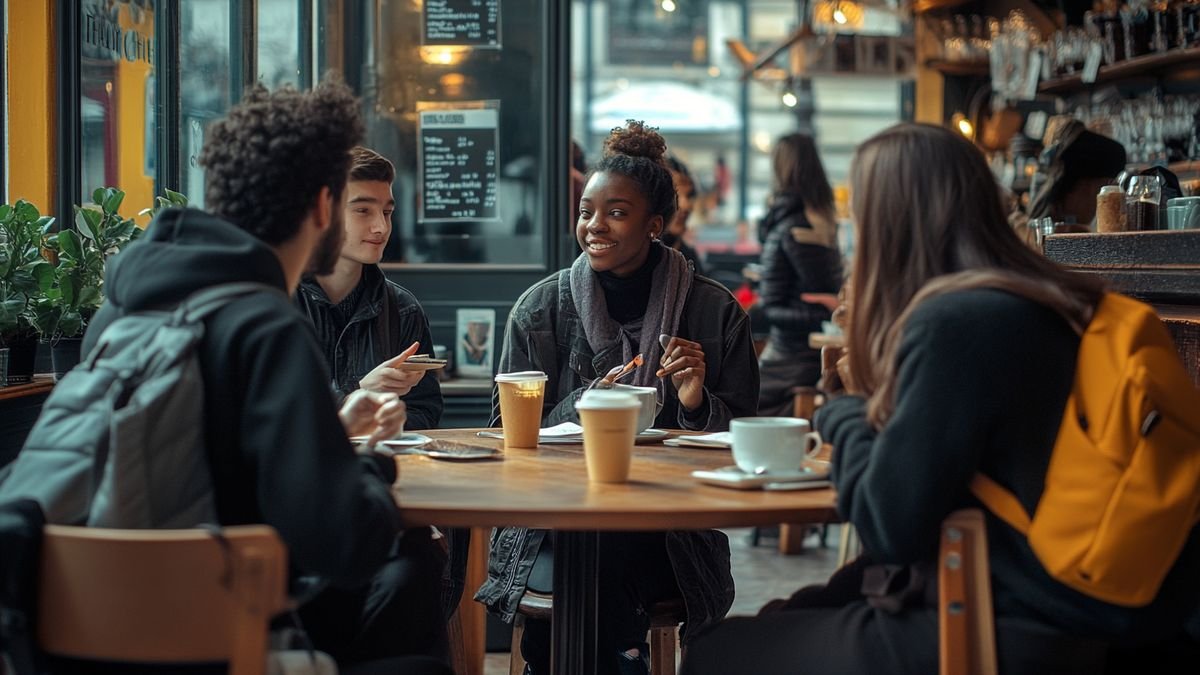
x=30 y=63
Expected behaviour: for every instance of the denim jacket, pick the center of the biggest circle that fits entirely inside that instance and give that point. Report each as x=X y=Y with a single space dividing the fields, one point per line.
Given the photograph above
x=387 y=320
x=545 y=333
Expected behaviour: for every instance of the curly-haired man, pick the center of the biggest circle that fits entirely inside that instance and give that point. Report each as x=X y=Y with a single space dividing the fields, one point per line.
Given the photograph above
x=277 y=444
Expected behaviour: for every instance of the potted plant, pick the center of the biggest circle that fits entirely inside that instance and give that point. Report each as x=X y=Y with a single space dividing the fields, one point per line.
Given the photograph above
x=74 y=291
x=24 y=272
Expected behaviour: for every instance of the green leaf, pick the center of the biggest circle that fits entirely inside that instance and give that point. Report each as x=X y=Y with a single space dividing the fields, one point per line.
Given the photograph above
x=177 y=198
x=26 y=212
x=88 y=222
x=70 y=324
x=98 y=195
x=69 y=244
x=44 y=274
x=112 y=202
x=89 y=296
x=6 y=212
x=46 y=224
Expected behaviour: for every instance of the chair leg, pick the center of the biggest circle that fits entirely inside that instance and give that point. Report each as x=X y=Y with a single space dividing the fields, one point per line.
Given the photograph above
x=458 y=650
x=849 y=546
x=791 y=538
x=516 y=663
x=662 y=650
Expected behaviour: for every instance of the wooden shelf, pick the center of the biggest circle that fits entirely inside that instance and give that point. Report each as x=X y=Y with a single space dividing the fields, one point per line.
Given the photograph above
x=1184 y=168
x=960 y=68
x=1151 y=64
x=42 y=384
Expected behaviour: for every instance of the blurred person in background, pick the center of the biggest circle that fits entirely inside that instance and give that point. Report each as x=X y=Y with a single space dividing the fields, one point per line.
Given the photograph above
x=800 y=255
x=685 y=191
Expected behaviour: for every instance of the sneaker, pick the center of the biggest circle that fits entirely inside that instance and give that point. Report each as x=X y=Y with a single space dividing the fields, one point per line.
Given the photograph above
x=635 y=661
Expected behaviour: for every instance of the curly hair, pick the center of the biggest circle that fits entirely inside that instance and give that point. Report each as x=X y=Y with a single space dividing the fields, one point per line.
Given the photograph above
x=268 y=159
x=638 y=152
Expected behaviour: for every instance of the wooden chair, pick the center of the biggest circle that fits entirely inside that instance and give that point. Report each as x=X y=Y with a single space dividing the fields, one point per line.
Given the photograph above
x=665 y=618
x=165 y=596
x=966 y=624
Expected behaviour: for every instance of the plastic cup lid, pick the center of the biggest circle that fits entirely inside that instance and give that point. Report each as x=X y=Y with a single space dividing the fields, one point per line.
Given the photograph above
x=523 y=376
x=599 y=399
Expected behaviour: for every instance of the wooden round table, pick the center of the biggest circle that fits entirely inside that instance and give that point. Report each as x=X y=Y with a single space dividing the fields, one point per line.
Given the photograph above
x=547 y=488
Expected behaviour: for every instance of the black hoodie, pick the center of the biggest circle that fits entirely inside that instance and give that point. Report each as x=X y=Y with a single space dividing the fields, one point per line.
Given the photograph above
x=278 y=452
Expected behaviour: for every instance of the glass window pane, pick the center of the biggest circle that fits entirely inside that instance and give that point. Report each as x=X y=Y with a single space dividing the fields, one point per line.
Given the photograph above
x=279 y=42
x=204 y=83
x=438 y=111
x=117 y=56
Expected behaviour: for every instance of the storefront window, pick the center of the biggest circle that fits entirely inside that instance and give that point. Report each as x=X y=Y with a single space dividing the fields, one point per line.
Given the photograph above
x=205 y=86
x=117 y=100
x=279 y=43
x=454 y=97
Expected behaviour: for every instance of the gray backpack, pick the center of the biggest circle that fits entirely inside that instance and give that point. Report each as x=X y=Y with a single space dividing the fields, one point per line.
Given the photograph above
x=120 y=441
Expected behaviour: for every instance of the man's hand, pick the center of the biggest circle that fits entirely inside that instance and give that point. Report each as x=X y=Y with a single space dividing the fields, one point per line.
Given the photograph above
x=388 y=378
x=377 y=414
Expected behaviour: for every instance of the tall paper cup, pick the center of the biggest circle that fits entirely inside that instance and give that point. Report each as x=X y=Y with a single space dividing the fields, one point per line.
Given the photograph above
x=521 y=407
x=609 y=421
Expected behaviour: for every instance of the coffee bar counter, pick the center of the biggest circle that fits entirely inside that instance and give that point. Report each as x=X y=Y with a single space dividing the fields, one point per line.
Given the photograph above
x=1161 y=268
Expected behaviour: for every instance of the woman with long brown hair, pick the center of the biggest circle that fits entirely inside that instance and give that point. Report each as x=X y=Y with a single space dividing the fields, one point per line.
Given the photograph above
x=962 y=345
x=800 y=255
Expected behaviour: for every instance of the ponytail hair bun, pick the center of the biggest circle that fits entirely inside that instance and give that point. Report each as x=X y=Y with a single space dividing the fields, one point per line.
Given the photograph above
x=635 y=139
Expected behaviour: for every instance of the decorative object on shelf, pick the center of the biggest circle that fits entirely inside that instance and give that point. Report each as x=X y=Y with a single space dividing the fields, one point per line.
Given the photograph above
x=475 y=349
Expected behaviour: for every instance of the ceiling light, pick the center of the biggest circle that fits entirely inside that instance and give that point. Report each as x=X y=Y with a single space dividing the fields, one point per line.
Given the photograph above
x=668 y=5
x=839 y=16
x=789 y=99
x=963 y=125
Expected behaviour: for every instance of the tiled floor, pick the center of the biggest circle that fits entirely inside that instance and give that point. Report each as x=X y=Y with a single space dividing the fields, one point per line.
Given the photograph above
x=760 y=574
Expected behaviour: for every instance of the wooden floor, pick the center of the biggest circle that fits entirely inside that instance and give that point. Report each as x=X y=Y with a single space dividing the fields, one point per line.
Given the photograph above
x=760 y=574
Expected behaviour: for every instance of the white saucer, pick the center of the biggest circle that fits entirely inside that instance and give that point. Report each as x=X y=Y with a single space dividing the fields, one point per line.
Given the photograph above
x=406 y=440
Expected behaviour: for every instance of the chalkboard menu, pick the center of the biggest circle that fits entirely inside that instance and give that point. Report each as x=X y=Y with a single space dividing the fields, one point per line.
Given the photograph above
x=458 y=162
x=462 y=22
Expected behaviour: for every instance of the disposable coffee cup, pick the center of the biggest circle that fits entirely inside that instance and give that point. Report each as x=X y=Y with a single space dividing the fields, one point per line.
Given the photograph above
x=521 y=397
x=772 y=444
x=609 y=420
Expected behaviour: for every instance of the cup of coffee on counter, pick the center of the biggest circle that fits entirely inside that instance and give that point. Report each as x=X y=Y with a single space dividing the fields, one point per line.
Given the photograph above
x=772 y=444
x=521 y=407
x=1110 y=209
x=648 y=399
x=1141 y=203
x=609 y=421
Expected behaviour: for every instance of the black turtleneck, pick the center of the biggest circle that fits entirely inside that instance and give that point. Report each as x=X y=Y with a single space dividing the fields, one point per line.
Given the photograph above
x=627 y=297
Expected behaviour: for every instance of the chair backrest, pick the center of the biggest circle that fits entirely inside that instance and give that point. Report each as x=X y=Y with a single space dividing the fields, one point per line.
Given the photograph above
x=161 y=596
x=967 y=632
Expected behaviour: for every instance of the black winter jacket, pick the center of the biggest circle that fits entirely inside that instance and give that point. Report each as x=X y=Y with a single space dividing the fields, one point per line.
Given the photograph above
x=387 y=320
x=277 y=450
x=545 y=333
x=791 y=266
x=983 y=378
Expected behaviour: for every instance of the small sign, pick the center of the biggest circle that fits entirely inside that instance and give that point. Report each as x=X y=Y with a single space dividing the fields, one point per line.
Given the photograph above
x=1091 y=64
x=473 y=23
x=475 y=349
x=457 y=146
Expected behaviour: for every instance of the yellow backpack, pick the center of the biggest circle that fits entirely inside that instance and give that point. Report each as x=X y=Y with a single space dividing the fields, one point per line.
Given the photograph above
x=1122 y=490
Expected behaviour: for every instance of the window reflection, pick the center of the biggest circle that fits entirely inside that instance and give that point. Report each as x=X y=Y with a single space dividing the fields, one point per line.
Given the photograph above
x=279 y=42
x=204 y=83
x=117 y=56
x=401 y=76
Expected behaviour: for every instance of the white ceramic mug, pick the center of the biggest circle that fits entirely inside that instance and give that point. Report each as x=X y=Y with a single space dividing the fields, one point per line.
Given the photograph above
x=648 y=398
x=772 y=444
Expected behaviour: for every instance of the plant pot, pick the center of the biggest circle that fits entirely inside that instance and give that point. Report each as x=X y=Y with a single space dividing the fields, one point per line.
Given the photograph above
x=21 y=355
x=3 y=366
x=65 y=355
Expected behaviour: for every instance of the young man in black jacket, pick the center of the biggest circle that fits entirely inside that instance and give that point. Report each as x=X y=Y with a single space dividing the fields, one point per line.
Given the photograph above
x=277 y=445
x=367 y=325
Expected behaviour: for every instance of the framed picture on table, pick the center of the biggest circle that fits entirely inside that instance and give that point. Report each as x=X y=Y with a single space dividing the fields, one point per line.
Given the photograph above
x=475 y=337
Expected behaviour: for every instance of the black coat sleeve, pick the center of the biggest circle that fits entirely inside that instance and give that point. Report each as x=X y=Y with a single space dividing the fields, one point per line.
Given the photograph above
x=333 y=509
x=791 y=268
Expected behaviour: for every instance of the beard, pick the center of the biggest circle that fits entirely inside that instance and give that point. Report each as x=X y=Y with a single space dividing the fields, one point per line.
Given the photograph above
x=325 y=256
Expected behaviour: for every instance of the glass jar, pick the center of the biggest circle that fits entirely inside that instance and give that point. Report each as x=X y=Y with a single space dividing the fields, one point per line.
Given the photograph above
x=1110 y=209
x=1141 y=203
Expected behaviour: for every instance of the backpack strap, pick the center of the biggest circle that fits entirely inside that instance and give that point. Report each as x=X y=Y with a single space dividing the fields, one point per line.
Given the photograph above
x=1001 y=502
x=200 y=304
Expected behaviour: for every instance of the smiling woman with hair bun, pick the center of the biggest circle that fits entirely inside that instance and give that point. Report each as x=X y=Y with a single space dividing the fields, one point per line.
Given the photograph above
x=623 y=291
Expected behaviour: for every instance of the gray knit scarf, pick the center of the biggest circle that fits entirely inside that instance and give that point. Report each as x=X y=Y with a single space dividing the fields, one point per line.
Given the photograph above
x=669 y=288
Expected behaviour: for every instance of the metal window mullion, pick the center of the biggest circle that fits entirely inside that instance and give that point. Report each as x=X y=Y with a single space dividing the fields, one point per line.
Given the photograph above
x=68 y=125
x=166 y=78
x=305 y=42
x=243 y=50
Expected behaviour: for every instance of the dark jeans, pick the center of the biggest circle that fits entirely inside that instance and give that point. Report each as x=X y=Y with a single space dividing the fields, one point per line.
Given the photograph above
x=399 y=613
x=634 y=573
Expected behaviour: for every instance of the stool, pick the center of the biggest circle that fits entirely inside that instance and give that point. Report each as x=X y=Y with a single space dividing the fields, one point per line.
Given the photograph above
x=665 y=617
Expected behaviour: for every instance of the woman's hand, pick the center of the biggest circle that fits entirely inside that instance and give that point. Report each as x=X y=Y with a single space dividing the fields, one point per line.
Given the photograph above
x=683 y=361
x=827 y=300
x=387 y=378
x=378 y=414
